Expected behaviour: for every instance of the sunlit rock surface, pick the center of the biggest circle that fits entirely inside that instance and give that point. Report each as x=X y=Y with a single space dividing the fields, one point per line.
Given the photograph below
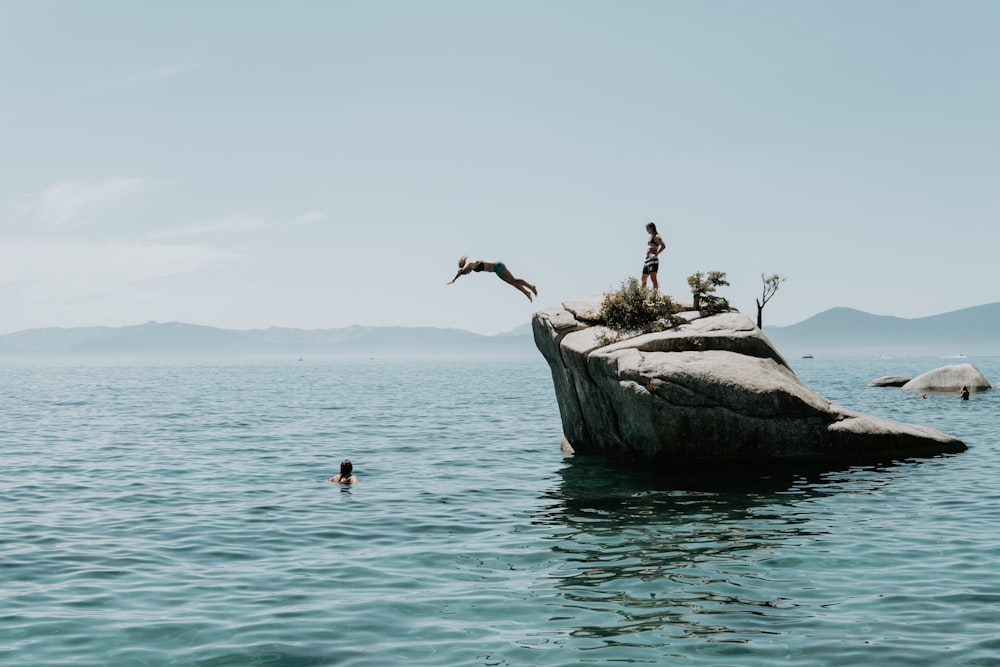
x=712 y=389
x=949 y=378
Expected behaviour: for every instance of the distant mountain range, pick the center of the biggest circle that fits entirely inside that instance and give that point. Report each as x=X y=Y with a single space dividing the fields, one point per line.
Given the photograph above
x=835 y=332
x=155 y=339
x=849 y=332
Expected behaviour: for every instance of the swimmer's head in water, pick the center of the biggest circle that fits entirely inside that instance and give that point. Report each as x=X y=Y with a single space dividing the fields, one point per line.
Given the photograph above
x=346 y=468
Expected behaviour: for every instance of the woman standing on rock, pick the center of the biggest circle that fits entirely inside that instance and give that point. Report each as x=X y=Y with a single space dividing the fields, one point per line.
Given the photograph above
x=499 y=268
x=654 y=247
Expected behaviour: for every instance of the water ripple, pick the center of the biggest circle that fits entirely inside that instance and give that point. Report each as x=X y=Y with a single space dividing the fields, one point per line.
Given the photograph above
x=181 y=515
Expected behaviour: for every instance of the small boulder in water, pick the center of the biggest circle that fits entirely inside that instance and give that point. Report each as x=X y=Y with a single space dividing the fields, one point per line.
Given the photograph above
x=950 y=379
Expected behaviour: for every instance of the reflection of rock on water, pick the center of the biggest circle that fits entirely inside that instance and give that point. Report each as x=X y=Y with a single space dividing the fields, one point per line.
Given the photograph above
x=713 y=389
x=627 y=493
x=677 y=553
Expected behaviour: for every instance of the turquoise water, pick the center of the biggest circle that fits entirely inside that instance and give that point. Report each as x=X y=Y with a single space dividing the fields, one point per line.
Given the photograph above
x=181 y=515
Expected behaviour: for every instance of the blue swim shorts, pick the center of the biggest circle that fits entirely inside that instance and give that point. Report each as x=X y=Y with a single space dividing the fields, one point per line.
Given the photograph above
x=498 y=267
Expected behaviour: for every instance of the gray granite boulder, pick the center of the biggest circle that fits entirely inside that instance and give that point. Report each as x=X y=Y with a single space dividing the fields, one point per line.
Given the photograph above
x=949 y=379
x=711 y=389
x=889 y=381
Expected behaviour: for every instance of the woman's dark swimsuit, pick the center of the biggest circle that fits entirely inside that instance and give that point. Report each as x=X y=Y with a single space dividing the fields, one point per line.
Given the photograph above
x=498 y=267
x=652 y=264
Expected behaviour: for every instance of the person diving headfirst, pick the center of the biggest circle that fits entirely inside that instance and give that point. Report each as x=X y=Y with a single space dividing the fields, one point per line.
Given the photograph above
x=465 y=267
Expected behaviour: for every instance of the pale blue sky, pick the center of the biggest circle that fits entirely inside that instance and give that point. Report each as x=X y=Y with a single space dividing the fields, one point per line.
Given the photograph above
x=322 y=164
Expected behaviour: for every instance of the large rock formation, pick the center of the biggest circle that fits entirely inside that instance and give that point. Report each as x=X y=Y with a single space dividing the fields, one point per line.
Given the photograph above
x=713 y=388
x=950 y=379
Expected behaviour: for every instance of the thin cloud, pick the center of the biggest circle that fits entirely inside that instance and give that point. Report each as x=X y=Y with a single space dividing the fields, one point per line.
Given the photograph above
x=239 y=223
x=74 y=202
x=308 y=218
x=61 y=271
x=154 y=75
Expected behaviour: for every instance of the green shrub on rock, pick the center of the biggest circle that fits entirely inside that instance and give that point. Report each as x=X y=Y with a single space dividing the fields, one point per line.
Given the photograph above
x=631 y=310
x=703 y=290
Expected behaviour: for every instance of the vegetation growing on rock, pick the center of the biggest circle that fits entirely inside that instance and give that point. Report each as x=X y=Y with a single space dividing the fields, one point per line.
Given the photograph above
x=771 y=285
x=703 y=290
x=632 y=310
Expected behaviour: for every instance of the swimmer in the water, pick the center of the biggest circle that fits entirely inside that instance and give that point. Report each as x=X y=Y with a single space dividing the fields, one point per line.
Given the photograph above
x=346 y=474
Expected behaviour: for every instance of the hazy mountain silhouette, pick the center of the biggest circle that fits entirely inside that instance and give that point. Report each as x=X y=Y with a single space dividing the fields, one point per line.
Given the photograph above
x=170 y=338
x=523 y=330
x=50 y=340
x=155 y=339
x=845 y=331
x=835 y=332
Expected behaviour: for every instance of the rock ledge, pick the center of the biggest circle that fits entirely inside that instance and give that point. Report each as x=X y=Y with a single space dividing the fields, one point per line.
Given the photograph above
x=712 y=389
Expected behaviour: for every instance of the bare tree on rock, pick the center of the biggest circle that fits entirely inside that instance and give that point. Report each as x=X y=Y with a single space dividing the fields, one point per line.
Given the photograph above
x=771 y=285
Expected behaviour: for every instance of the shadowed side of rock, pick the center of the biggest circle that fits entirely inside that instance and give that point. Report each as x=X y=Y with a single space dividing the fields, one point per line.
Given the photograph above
x=889 y=381
x=712 y=389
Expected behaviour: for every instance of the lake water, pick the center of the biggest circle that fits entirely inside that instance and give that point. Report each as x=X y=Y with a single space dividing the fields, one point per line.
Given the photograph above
x=181 y=514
